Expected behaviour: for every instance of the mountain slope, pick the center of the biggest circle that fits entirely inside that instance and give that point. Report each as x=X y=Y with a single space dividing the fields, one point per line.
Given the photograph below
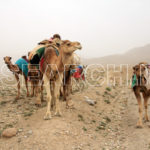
x=133 y=56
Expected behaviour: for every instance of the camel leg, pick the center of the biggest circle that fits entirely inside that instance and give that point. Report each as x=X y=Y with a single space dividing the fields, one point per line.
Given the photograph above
x=18 y=85
x=64 y=92
x=138 y=97
x=67 y=96
x=57 y=87
x=38 y=94
x=38 y=99
x=68 y=92
x=36 y=90
x=146 y=106
x=47 y=86
x=42 y=99
x=32 y=88
x=53 y=105
x=26 y=82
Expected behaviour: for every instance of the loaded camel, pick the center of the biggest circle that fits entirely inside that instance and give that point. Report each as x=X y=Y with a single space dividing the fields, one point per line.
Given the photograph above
x=35 y=75
x=140 y=84
x=53 y=70
x=20 y=67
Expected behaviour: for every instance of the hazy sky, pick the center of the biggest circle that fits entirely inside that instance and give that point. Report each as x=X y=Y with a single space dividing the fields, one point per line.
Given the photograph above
x=102 y=26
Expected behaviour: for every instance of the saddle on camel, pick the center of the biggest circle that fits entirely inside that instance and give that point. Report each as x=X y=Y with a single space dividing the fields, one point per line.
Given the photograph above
x=20 y=67
x=141 y=84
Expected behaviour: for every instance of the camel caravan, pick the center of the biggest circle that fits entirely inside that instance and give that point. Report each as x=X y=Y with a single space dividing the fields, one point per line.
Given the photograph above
x=53 y=63
x=50 y=64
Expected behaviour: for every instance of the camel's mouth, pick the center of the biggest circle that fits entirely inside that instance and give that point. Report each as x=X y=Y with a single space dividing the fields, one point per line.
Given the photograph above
x=79 y=47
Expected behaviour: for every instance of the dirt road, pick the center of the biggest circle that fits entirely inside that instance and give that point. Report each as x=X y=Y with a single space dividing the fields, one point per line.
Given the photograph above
x=109 y=125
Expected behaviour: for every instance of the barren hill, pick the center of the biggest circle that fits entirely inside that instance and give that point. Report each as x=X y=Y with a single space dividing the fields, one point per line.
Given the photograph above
x=132 y=56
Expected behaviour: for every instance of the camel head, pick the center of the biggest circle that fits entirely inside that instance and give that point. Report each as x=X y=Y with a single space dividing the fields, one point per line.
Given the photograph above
x=143 y=63
x=69 y=47
x=139 y=70
x=7 y=59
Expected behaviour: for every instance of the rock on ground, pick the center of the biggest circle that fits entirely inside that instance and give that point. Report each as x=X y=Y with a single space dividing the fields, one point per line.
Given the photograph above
x=9 y=132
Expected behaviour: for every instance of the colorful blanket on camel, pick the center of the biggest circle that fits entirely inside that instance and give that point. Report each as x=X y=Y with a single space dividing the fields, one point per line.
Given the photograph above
x=134 y=81
x=23 y=65
x=40 y=52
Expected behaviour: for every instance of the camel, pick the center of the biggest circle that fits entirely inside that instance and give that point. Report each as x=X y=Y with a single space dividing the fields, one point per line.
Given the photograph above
x=140 y=85
x=16 y=70
x=53 y=70
x=34 y=74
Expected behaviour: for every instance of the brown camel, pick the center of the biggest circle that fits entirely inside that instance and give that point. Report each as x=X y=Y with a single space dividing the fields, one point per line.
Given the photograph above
x=34 y=73
x=141 y=86
x=16 y=70
x=53 y=69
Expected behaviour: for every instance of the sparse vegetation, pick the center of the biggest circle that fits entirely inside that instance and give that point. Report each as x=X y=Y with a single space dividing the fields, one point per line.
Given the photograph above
x=108 y=89
x=26 y=114
x=3 y=102
x=8 y=126
x=84 y=129
x=107 y=101
x=107 y=119
x=101 y=126
x=80 y=117
x=93 y=121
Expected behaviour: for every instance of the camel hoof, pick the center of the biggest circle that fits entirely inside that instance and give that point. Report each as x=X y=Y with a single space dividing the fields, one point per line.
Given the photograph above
x=38 y=105
x=146 y=119
x=70 y=106
x=42 y=99
x=17 y=98
x=32 y=95
x=28 y=95
x=139 y=125
x=58 y=114
x=47 y=116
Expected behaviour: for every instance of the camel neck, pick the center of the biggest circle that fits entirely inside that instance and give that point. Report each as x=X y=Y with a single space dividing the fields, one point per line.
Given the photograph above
x=9 y=64
x=66 y=60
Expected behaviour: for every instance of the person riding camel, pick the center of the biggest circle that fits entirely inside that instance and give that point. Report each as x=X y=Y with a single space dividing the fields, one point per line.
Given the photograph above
x=36 y=54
